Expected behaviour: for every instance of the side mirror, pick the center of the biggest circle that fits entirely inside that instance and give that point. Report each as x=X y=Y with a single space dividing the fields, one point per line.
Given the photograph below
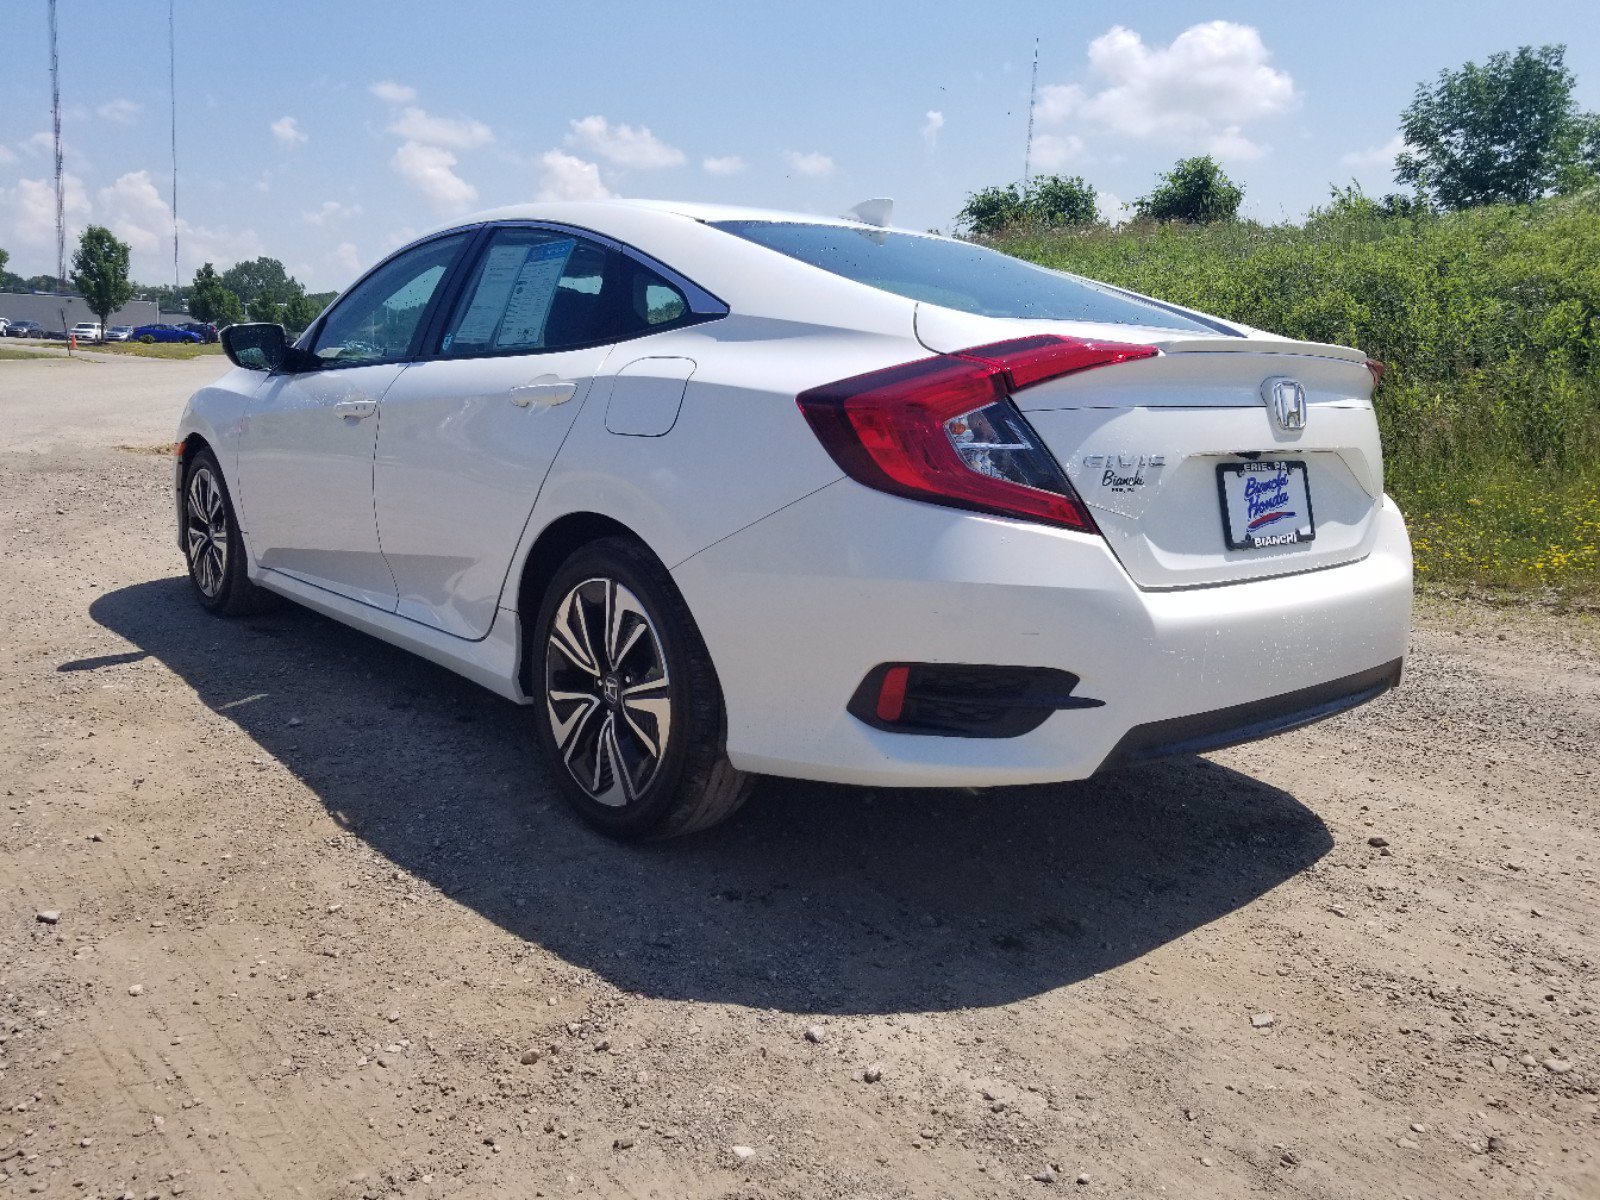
x=260 y=346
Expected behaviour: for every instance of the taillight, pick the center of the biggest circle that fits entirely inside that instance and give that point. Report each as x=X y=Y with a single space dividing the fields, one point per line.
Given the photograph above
x=944 y=430
x=1376 y=369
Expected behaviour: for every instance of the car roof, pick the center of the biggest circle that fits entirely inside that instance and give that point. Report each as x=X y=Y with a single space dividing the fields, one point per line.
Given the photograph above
x=594 y=213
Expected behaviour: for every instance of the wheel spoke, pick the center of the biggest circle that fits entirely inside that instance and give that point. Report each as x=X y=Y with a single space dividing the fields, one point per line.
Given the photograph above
x=570 y=635
x=621 y=604
x=650 y=703
x=568 y=731
x=608 y=760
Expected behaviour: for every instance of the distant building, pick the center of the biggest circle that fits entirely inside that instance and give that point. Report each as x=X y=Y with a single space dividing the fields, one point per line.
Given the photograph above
x=48 y=310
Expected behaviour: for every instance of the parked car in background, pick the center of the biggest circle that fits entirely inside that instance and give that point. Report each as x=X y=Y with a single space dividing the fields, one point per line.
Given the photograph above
x=25 y=329
x=87 y=331
x=164 y=333
x=119 y=333
x=206 y=329
x=3 y=323
x=718 y=492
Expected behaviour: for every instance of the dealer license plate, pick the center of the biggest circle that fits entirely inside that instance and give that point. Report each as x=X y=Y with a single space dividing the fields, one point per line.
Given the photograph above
x=1265 y=504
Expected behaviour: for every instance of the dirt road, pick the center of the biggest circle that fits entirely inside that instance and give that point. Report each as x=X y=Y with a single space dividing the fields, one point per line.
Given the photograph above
x=289 y=913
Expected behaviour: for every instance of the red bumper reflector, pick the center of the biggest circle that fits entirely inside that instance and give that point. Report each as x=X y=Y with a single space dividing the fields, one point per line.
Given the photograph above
x=892 y=695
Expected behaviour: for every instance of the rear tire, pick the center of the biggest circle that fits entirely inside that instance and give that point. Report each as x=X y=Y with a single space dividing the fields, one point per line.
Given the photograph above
x=212 y=546
x=628 y=709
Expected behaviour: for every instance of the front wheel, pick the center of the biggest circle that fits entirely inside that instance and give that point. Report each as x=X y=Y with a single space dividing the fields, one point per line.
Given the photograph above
x=629 y=711
x=212 y=545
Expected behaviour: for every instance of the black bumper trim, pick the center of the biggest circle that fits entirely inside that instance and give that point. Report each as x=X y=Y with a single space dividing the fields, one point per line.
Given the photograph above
x=1223 y=727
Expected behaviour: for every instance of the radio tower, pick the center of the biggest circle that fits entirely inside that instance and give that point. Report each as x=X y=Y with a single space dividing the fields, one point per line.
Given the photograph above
x=1033 y=92
x=55 y=122
x=172 y=88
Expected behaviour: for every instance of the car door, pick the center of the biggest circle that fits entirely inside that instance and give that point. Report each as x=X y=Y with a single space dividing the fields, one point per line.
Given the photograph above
x=468 y=434
x=307 y=440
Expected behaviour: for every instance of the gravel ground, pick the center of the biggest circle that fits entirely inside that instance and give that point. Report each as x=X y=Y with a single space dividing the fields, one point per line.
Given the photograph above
x=288 y=912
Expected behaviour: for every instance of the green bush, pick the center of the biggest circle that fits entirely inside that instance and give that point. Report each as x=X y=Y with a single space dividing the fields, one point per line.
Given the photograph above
x=1488 y=320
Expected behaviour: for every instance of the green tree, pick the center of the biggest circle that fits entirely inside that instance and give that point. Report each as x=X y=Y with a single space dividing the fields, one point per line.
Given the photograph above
x=300 y=312
x=100 y=272
x=1503 y=132
x=264 y=308
x=260 y=277
x=228 y=310
x=1047 y=202
x=205 y=294
x=991 y=210
x=1196 y=189
x=1052 y=201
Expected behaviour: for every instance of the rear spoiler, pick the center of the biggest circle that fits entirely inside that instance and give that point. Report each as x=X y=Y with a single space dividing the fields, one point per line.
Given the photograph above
x=1260 y=345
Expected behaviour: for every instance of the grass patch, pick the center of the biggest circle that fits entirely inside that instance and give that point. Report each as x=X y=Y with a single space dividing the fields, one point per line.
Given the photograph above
x=1500 y=531
x=19 y=354
x=1489 y=323
x=176 y=350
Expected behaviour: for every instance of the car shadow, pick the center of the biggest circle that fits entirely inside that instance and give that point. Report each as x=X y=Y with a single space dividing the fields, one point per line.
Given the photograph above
x=815 y=898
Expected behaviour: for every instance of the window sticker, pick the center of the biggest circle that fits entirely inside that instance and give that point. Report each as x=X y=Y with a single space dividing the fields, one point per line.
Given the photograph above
x=533 y=294
x=494 y=288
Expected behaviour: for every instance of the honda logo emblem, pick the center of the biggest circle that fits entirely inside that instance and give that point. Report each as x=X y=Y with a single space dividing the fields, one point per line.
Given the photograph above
x=1286 y=401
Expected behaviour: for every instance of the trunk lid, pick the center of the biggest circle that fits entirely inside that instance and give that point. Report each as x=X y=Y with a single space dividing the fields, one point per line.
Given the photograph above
x=1142 y=442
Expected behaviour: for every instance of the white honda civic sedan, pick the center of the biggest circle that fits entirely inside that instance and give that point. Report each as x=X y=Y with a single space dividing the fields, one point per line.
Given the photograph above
x=718 y=492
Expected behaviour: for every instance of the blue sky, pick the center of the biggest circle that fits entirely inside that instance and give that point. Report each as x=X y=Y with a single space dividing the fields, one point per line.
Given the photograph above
x=326 y=133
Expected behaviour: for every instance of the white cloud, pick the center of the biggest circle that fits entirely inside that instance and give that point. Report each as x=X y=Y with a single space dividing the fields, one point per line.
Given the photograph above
x=1207 y=85
x=430 y=171
x=6 y=157
x=43 y=142
x=1057 y=102
x=120 y=111
x=1231 y=145
x=728 y=164
x=1052 y=151
x=564 y=176
x=345 y=258
x=392 y=93
x=1374 y=156
x=134 y=209
x=417 y=125
x=624 y=145
x=330 y=211
x=288 y=132
x=28 y=214
x=1111 y=209
x=813 y=164
x=932 y=122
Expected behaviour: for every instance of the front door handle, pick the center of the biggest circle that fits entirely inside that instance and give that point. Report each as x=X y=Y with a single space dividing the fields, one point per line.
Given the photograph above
x=546 y=389
x=356 y=409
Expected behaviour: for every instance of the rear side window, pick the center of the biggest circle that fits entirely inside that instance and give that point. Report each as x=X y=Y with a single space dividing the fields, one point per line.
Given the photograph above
x=957 y=275
x=532 y=290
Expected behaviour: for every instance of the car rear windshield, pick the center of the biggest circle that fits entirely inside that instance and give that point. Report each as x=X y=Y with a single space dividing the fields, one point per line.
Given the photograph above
x=958 y=275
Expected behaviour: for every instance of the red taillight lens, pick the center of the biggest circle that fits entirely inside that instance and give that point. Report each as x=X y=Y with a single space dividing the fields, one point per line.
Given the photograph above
x=1377 y=369
x=943 y=429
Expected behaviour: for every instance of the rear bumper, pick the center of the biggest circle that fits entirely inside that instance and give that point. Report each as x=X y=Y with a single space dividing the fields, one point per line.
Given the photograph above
x=797 y=608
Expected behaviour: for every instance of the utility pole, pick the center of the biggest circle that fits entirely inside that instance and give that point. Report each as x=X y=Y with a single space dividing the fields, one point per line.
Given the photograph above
x=1033 y=93
x=55 y=122
x=172 y=88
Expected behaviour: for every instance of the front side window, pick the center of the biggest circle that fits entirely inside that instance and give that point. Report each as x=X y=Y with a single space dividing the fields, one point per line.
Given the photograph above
x=532 y=290
x=958 y=275
x=377 y=320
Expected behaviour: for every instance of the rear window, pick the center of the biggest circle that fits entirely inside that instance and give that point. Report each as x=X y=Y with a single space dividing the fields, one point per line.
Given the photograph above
x=958 y=275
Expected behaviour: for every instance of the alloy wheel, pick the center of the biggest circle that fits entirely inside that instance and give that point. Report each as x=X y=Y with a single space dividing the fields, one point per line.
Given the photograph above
x=607 y=692
x=206 y=531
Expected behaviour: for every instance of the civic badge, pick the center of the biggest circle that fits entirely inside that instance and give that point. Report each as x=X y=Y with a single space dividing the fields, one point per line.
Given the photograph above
x=1286 y=401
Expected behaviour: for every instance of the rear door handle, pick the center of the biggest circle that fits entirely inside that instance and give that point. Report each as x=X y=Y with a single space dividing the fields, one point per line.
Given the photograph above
x=547 y=389
x=356 y=409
